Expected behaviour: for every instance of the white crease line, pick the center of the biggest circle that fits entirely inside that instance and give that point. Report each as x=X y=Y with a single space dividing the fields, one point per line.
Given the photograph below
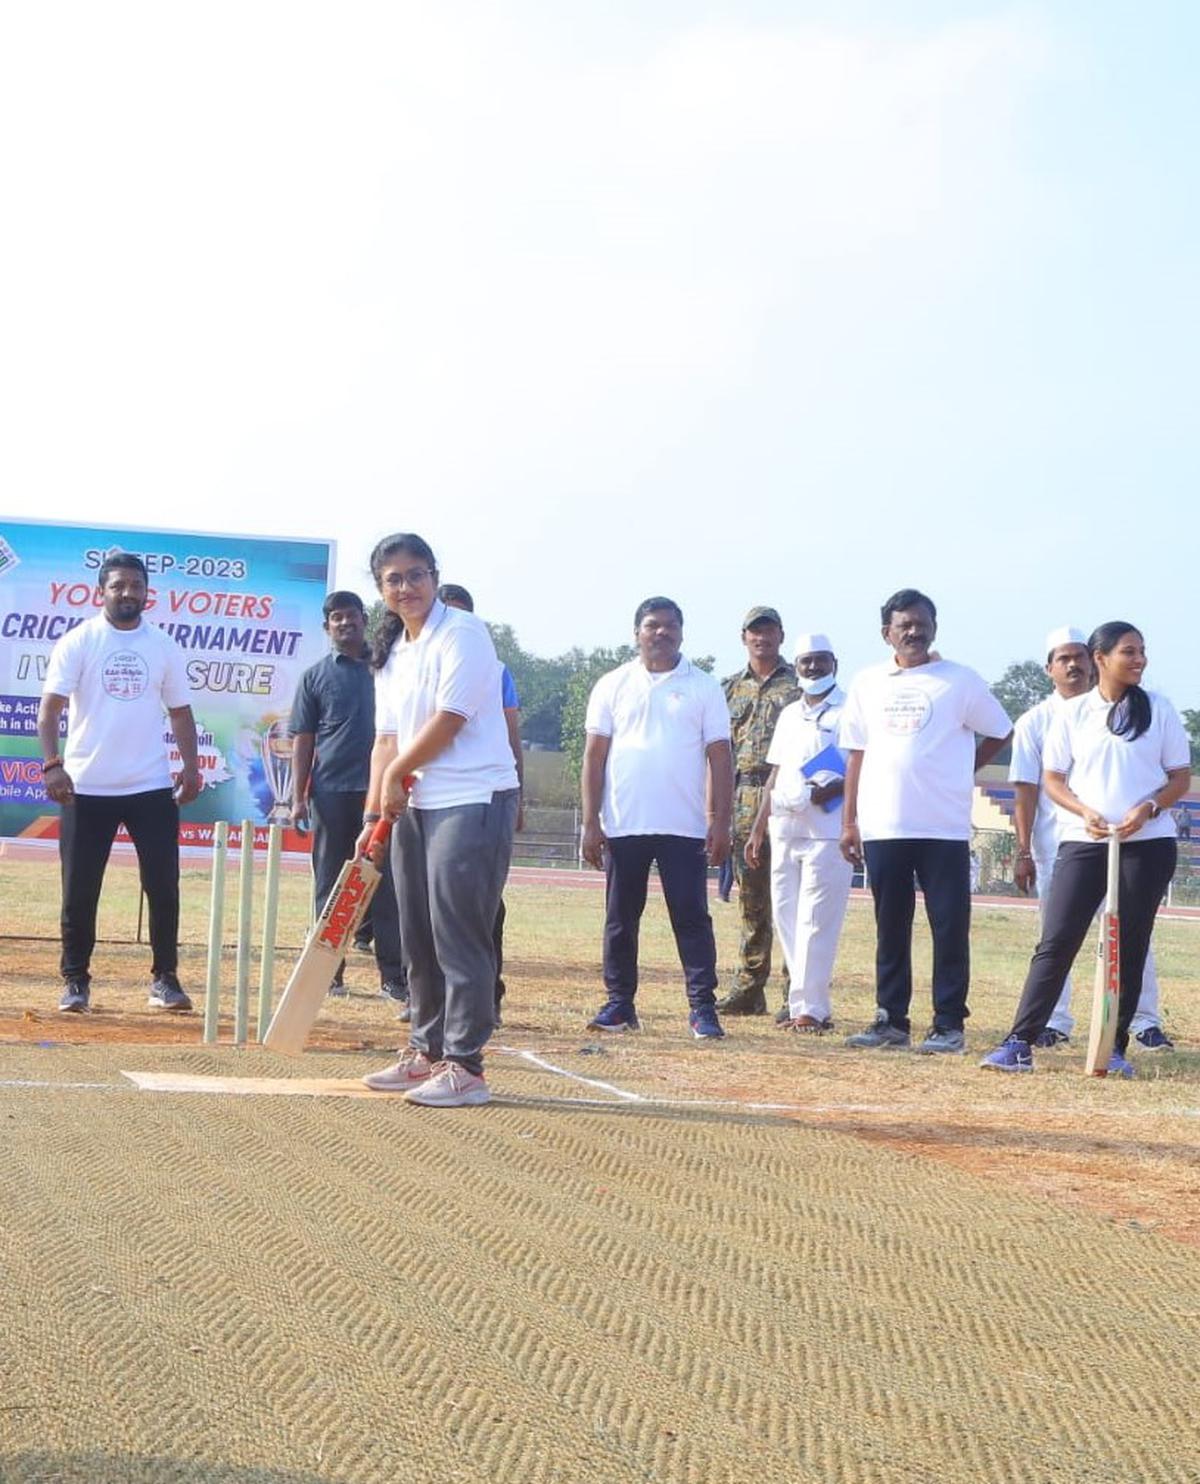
x=548 y=1066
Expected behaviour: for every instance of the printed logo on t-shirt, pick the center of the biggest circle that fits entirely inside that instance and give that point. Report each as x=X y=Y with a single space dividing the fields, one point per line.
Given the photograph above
x=125 y=675
x=907 y=711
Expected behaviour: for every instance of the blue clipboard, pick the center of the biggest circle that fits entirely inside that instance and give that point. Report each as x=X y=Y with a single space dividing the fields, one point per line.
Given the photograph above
x=829 y=760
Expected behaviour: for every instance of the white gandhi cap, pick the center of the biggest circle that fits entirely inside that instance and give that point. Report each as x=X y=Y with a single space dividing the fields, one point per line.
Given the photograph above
x=815 y=644
x=1056 y=638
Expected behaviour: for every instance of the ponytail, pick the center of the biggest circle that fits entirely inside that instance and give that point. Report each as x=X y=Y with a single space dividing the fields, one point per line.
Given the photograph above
x=1130 y=716
x=387 y=631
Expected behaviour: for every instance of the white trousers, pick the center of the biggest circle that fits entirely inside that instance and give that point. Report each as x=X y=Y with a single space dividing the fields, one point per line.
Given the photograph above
x=810 y=886
x=1061 y=1018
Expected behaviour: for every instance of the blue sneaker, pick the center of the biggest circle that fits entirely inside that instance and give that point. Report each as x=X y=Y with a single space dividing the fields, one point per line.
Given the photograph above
x=1013 y=1055
x=1119 y=1067
x=705 y=1025
x=1154 y=1038
x=616 y=1015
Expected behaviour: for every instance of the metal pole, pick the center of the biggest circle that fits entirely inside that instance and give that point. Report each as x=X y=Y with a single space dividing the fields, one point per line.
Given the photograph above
x=270 y=913
x=241 y=992
x=216 y=922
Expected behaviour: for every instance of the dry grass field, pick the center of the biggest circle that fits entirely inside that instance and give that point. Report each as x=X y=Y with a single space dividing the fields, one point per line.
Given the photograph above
x=768 y=1259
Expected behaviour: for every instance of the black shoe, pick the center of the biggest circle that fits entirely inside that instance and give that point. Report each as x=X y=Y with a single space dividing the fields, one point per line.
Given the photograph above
x=75 y=996
x=393 y=990
x=743 y=1002
x=165 y=994
x=364 y=945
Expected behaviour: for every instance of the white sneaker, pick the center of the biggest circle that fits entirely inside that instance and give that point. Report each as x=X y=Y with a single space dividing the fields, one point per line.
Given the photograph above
x=413 y=1068
x=450 y=1086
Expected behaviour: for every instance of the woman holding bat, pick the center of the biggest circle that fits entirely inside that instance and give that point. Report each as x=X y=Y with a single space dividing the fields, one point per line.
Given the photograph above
x=1116 y=759
x=442 y=770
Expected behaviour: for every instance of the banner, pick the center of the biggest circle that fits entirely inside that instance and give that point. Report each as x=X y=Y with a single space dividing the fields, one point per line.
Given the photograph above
x=245 y=610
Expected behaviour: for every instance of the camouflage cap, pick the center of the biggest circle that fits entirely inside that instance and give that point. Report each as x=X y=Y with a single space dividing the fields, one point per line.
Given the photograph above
x=761 y=615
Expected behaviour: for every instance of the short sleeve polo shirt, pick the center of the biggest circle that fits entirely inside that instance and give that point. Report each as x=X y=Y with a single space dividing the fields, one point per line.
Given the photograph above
x=450 y=666
x=1112 y=774
x=660 y=724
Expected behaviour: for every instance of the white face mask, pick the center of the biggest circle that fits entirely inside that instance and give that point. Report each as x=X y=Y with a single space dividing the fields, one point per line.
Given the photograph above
x=820 y=686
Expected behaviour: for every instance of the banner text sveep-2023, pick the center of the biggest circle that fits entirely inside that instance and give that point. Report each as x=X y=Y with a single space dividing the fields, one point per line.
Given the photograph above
x=246 y=611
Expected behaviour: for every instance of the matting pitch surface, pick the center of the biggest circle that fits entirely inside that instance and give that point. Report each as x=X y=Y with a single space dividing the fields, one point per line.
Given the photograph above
x=275 y=1290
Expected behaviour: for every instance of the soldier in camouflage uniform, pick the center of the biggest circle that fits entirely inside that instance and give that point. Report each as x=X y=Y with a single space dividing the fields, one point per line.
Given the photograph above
x=756 y=696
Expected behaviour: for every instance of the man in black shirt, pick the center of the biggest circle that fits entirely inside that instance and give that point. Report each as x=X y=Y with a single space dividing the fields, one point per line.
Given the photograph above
x=333 y=730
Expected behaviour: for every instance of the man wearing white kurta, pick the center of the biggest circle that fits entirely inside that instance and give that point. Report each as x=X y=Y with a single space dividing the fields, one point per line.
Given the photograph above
x=802 y=812
x=1039 y=825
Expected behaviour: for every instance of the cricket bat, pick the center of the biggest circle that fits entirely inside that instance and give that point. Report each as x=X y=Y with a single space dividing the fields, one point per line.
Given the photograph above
x=1106 y=991
x=324 y=949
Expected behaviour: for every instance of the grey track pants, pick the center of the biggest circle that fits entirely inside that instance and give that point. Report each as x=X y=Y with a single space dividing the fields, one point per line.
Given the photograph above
x=450 y=867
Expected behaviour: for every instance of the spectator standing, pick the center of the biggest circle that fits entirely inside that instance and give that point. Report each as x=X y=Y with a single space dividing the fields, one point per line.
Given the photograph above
x=910 y=726
x=120 y=674
x=756 y=695
x=802 y=813
x=657 y=747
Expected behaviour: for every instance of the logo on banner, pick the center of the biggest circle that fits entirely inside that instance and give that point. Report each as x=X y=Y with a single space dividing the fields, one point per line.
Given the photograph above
x=125 y=675
x=907 y=711
x=8 y=557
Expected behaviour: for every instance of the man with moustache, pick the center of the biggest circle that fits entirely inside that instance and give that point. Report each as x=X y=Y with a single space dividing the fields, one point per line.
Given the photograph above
x=122 y=677
x=1039 y=828
x=657 y=754
x=910 y=726
x=756 y=696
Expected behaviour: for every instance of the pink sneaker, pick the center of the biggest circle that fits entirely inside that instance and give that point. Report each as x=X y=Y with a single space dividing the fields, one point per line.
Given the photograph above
x=450 y=1086
x=413 y=1068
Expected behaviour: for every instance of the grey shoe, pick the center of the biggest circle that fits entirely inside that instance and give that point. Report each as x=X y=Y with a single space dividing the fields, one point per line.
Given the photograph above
x=167 y=994
x=75 y=996
x=881 y=1034
x=946 y=1041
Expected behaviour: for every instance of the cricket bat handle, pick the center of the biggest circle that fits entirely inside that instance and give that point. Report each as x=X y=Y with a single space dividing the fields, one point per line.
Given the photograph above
x=1113 y=884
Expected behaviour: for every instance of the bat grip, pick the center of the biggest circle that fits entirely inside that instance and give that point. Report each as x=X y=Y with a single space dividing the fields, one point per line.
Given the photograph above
x=379 y=835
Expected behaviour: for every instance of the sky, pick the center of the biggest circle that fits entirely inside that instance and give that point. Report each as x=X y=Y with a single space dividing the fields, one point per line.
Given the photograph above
x=793 y=304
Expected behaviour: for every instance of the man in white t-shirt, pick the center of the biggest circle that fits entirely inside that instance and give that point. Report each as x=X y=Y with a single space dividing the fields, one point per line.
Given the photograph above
x=802 y=810
x=1039 y=826
x=120 y=674
x=910 y=727
x=657 y=748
